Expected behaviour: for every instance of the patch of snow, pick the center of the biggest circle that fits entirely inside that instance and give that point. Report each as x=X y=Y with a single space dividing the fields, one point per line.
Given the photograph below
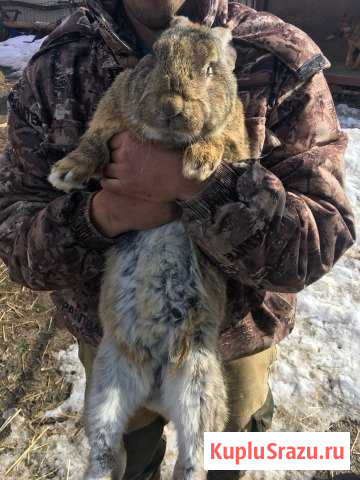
x=73 y=372
x=349 y=117
x=16 y=52
x=63 y=450
x=352 y=159
x=19 y=436
x=68 y=454
x=59 y=455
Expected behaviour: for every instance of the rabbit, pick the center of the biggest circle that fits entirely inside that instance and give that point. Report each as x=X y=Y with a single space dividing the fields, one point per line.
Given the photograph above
x=162 y=301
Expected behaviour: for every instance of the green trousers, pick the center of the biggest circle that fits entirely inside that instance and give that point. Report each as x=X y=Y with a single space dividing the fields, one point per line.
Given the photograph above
x=250 y=404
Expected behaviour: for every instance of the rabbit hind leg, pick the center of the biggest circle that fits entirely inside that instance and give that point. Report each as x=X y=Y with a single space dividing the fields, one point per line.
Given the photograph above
x=117 y=389
x=195 y=398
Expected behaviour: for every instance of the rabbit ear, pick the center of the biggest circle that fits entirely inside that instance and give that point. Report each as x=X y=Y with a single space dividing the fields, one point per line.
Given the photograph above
x=224 y=37
x=181 y=22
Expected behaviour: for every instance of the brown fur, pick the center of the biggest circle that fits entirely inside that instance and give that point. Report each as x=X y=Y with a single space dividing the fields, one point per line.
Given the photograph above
x=168 y=93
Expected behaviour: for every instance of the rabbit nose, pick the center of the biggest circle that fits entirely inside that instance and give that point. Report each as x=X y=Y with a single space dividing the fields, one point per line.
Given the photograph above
x=172 y=106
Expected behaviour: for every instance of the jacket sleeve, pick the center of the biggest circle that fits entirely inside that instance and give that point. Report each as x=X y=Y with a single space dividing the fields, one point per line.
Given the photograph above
x=281 y=224
x=47 y=239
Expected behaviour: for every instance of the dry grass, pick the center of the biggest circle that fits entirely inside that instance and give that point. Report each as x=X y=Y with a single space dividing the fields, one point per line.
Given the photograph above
x=3 y=83
x=352 y=426
x=27 y=340
x=3 y=133
x=30 y=382
x=5 y=87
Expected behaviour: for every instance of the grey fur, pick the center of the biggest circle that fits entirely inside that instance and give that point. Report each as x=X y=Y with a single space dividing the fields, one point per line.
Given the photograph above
x=156 y=295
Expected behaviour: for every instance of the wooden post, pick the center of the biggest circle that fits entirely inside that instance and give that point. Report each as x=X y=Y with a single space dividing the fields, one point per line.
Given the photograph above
x=37 y=27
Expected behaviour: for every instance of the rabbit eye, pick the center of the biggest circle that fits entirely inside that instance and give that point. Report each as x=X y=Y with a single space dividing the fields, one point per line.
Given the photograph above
x=210 y=71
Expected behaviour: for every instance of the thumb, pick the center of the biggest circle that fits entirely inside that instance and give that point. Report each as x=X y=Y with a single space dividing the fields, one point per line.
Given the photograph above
x=223 y=11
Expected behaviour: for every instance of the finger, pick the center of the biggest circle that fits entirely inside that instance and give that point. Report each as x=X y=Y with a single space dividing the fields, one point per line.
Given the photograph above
x=120 y=187
x=223 y=11
x=113 y=171
x=117 y=140
x=209 y=7
x=231 y=24
x=112 y=185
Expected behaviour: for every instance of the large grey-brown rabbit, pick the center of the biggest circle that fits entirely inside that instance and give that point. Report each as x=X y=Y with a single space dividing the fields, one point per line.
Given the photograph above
x=162 y=301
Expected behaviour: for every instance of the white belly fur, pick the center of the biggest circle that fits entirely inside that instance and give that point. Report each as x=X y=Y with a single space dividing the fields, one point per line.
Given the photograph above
x=150 y=283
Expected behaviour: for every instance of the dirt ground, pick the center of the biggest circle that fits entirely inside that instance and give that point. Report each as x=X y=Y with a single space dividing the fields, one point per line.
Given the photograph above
x=4 y=90
x=30 y=383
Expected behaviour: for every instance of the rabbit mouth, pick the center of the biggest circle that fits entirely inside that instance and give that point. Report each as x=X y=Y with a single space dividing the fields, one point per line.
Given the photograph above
x=178 y=129
x=169 y=135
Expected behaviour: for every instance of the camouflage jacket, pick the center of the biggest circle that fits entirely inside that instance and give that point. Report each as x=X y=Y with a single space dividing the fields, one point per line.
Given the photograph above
x=273 y=228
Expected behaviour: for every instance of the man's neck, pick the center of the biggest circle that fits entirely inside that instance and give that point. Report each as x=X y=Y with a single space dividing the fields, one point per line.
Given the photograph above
x=146 y=35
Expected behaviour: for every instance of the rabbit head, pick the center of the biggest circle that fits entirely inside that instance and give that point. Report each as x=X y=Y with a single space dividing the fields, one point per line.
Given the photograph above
x=186 y=89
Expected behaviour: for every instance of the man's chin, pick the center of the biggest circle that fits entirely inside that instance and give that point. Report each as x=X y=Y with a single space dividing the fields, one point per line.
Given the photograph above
x=151 y=16
x=157 y=23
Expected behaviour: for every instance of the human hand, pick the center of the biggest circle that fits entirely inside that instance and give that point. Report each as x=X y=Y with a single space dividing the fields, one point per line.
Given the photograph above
x=214 y=7
x=147 y=171
x=114 y=214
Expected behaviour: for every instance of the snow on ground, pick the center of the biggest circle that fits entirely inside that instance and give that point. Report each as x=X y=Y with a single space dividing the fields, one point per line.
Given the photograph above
x=16 y=52
x=349 y=117
x=63 y=453
x=73 y=373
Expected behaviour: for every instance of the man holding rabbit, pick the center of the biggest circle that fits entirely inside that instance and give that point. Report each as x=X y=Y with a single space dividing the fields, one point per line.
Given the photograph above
x=54 y=241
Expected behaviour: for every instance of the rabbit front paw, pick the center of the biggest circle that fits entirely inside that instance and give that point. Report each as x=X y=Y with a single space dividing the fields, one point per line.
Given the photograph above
x=71 y=173
x=200 y=161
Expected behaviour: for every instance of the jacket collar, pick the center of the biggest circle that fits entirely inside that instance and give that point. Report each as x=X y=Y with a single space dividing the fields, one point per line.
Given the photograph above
x=93 y=19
